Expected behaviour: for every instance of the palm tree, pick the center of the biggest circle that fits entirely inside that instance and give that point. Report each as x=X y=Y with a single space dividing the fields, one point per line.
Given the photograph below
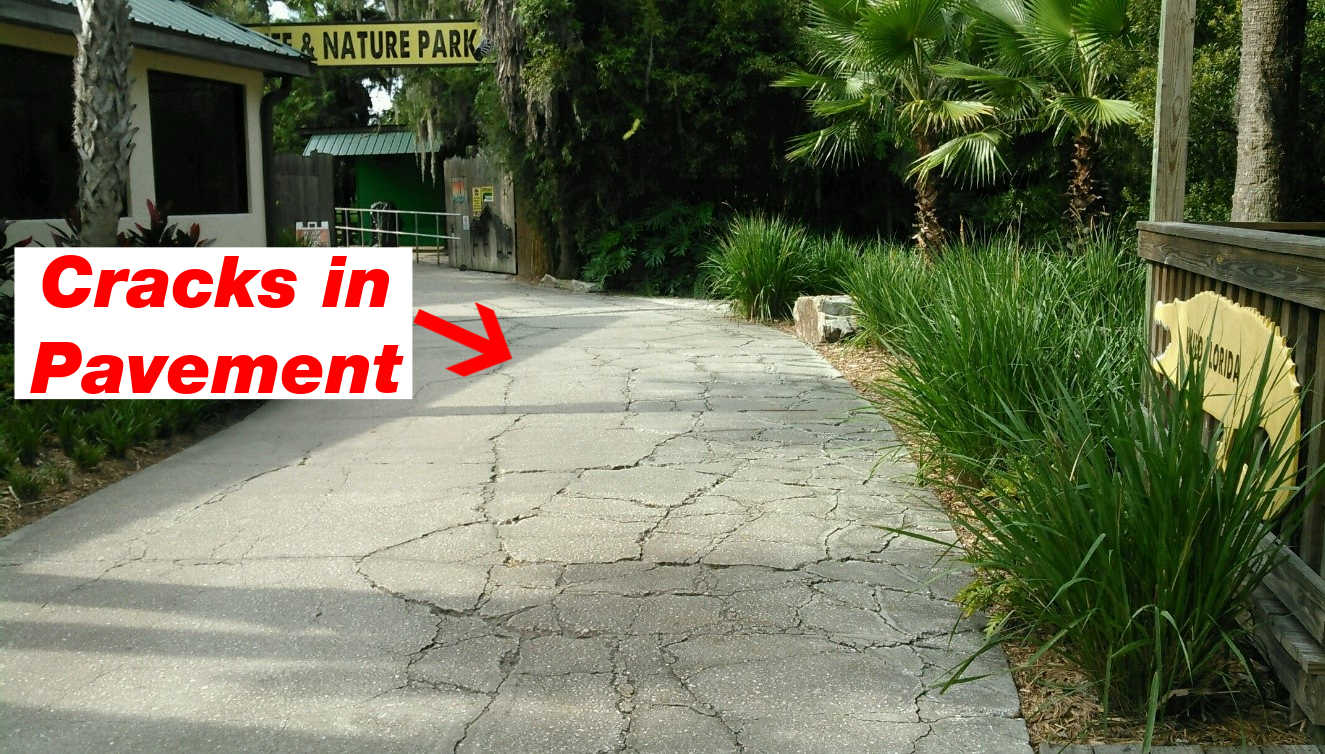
x=1046 y=69
x=872 y=74
x=103 y=131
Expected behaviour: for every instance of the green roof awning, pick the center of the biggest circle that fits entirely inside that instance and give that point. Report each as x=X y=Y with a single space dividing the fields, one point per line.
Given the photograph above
x=356 y=143
x=174 y=26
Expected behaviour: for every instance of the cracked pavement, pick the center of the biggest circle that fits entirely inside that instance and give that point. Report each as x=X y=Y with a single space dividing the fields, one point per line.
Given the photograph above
x=653 y=530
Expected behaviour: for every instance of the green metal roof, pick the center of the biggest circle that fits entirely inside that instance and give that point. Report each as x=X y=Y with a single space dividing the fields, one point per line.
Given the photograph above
x=179 y=16
x=354 y=143
x=173 y=26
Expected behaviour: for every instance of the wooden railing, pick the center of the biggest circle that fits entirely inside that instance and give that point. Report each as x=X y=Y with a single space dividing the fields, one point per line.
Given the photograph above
x=1278 y=269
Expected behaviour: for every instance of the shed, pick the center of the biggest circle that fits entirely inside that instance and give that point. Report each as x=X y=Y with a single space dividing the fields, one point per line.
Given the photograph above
x=384 y=162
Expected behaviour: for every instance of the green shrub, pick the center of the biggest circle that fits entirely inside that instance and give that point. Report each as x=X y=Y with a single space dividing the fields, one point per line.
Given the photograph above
x=25 y=432
x=87 y=456
x=760 y=266
x=144 y=418
x=116 y=427
x=26 y=484
x=995 y=328
x=1120 y=539
x=8 y=459
x=890 y=286
x=656 y=253
x=55 y=474
x=68 y=423
x=830 y=263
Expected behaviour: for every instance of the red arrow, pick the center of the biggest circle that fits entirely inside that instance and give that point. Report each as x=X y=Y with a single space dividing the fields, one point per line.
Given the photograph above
x=492 y=350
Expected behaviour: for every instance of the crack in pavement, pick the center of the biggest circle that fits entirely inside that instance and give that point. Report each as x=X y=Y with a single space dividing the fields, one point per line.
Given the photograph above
x=653 y=529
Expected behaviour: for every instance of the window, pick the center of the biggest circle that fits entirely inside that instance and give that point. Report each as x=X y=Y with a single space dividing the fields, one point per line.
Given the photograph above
x=198 y=153
x=39 y=177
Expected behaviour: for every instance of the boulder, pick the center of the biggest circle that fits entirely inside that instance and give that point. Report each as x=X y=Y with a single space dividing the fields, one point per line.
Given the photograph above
x=824 y=319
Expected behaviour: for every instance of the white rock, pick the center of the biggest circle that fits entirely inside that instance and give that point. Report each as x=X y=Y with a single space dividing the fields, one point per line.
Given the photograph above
x=824 y=319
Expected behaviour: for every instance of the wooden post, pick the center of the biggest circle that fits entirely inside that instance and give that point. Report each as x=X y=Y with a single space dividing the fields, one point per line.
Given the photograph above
x=1173 y=93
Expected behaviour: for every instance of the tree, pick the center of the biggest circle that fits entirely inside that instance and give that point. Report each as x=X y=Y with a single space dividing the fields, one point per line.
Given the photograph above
x=1269 y=72
x=873 y=72
x=103 y=131
x=438 y=102
x=530 y=51
x=1043 y=67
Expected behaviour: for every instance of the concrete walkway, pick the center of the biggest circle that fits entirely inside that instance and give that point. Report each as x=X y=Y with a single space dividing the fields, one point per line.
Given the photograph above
x=649 y=532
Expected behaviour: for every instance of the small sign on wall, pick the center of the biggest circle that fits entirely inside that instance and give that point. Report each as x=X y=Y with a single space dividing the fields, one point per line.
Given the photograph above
x=482 y=195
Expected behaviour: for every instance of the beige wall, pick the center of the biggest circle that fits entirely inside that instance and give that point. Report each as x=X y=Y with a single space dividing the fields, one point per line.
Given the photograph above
x=229 y=230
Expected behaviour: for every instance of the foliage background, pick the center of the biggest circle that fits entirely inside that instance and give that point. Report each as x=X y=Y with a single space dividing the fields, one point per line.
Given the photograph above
x=666 y=125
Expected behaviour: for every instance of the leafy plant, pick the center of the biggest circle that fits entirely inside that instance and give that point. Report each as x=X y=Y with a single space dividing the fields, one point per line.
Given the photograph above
x=145 y=417
x=87 y=456
x=8 y=459
x=890 y=287
x=760 y=265
x=657 y=253
x=160 y=232
x=68 y=427
x=995 y=327
x=55 y=474
x=7 y=277
x=25 y=432
x=1122 y=540
x=830 y=262
x=1044 y=66
x=117 y=428
x=875 y=71
x=27 y=485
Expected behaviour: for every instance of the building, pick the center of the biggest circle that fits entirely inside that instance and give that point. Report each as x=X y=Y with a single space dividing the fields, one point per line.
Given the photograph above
x=197 y=93
x=383 y=163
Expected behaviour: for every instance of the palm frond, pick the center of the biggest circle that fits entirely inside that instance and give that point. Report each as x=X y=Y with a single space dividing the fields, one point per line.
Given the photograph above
x=1001 y=25
x=1050 y=33
x=975 y=157
x=1099 y=22
x=942 y=116
x=1097 y=112
x=889 y=34
x=832 y=145
x=1006 y=90
x=813 y=83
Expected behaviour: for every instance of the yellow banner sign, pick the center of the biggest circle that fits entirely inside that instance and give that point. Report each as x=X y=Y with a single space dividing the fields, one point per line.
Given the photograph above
x=1234 y=344
x=382 y=44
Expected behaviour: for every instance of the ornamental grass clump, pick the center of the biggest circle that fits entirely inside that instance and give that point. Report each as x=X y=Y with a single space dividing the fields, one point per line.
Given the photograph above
x=830 y=263
x=995 y=327
x=1123 y=541
x=891 y=288
x=760 y=265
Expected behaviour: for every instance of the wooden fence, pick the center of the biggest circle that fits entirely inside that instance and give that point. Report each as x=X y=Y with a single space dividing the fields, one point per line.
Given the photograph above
x=1282 y=275
x=302 y=190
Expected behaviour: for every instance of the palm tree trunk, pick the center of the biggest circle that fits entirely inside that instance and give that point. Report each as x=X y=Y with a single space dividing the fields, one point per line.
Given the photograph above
x=929 y=234
x=103 y=131
x=1084 y=206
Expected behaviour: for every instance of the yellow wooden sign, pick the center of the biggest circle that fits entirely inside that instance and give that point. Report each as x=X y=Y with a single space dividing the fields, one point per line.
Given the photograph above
x=1233 y=340
x=382 y=44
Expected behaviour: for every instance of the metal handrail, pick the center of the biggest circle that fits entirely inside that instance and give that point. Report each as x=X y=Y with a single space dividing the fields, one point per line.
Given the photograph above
x=400 y=211
x=349 y=226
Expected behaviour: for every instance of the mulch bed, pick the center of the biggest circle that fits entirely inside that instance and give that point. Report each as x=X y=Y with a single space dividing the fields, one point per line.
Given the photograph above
x=1057 y=702
x=15 y=513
